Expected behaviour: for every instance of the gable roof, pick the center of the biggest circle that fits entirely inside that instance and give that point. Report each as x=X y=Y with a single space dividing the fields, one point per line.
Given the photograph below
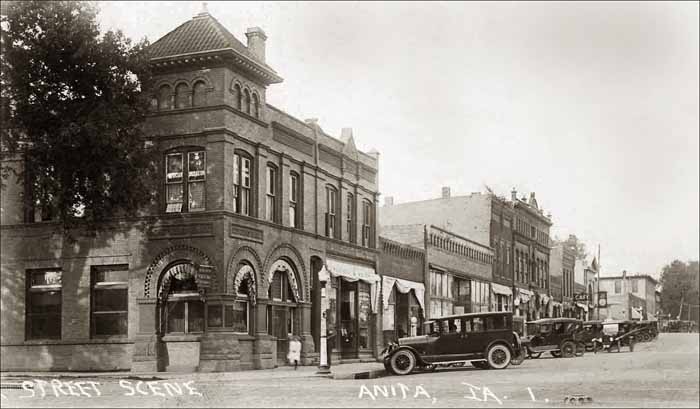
x=203 y=33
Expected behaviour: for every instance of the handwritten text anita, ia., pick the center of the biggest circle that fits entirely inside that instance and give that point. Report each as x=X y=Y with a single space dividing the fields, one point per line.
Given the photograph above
x=402 y=391
x=39 y=388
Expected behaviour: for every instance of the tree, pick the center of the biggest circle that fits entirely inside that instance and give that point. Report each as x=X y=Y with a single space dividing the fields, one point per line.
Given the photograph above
x=72 y=108
x=680 y=283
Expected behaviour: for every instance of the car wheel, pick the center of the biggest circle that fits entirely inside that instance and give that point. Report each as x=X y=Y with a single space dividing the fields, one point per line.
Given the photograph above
x=402 y=362
x=556 y=354
x=480 y=364
x=580 y=349
x=568 y=349
x=498 y=356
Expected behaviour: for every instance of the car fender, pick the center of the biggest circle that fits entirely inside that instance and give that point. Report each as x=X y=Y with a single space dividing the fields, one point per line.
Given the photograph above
x=419 y=359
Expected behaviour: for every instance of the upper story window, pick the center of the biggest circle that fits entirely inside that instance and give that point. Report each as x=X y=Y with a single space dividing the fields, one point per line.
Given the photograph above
x=635 y=286
x=350 y=217
x=241 y=184
x=43 y=305
x=271 y=194
x=256 y=105
x=294 y=214
x=199 y=94
x=182 y=96
x=109 y=299
x=185 y=176
x=367 y=223
x=618 y=286
x=246 y=101
x=331 y=210
x=238 y=96
x=164 y=98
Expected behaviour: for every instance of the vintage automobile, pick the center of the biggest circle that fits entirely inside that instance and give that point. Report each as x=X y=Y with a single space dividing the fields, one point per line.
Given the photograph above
x=592 y=331
x=561 y=337
x=486 y=340
x=649 y=330
x=616 y=334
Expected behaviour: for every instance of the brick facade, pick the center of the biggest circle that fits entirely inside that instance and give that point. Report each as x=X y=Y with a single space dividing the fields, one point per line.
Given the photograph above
x=211 y=121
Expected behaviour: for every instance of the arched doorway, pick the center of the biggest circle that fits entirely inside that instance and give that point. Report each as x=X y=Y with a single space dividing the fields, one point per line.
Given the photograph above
x=181 y=303
x=283 y=312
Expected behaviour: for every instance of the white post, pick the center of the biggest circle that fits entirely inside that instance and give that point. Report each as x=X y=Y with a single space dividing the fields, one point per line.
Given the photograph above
x=323 y=367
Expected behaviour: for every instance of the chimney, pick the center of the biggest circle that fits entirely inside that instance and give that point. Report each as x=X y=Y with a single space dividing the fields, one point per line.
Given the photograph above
x=514 y=195
x=256 y=42
x=445 y=192
x=389 y=201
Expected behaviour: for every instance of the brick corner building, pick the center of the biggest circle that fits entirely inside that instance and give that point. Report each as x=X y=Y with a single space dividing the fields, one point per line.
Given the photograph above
x=221 y=272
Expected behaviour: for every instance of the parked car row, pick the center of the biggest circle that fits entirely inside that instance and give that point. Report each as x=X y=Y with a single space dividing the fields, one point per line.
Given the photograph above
x=495 y=340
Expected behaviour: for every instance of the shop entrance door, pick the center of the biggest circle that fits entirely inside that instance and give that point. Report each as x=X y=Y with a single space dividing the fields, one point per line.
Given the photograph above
x=348 y=319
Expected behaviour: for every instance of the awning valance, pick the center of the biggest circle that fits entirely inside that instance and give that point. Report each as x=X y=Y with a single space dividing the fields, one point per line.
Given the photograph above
x=354 y=272
x=402 y=286
x=524 y=295
x=501 y=289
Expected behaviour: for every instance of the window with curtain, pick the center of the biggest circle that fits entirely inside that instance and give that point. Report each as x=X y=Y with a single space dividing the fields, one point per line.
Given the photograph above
x=241 y=183
x=185 y=176
x=43 y=304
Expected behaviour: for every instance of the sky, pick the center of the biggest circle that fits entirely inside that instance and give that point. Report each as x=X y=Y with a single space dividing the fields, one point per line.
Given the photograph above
x=592 y=105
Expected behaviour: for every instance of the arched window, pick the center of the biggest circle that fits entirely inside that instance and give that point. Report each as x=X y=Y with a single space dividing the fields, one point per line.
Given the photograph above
x=164 y=95
x=199 y=97
x=238 y=96
x=283 y=319
x=182 y=97
x=246 y=101
x=184 y=312
x=256 y=105
x=234 y=314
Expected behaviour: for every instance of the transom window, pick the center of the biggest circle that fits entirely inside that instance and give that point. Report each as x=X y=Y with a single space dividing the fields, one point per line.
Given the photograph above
x=241 y=184
x=185 y=176
x=44 y=307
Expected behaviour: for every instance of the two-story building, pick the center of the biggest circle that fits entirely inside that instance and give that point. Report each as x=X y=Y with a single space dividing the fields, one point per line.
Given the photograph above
x=563 y=264
x=457 y=271
x=223 y=269
x=629 y=296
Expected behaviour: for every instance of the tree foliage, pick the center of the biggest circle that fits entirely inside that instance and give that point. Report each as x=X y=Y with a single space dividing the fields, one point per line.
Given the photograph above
x=679 y=280
x=72 y=109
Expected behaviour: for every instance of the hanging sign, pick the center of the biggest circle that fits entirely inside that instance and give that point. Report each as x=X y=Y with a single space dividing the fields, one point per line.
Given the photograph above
x=204 y=273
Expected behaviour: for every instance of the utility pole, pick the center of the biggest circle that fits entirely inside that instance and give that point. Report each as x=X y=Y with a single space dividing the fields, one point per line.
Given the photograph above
x=597 y=297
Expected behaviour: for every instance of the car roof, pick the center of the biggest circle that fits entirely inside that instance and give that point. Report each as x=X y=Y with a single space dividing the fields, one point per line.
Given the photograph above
x=549 y=320
x=469 y=315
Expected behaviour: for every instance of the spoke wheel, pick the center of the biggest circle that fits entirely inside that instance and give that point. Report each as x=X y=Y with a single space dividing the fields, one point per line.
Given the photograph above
x=568 y=349
x=499 y=356
x=402 y=362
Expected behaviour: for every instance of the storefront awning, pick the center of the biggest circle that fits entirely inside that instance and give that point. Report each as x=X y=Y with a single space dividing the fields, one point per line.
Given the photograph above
x=355 y=272
x=402 y=286
x=525 y=295
x=351 y=271
x=501 y=289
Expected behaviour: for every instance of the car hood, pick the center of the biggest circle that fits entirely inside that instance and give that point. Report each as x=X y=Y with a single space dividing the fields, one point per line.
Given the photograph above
x=421 y=339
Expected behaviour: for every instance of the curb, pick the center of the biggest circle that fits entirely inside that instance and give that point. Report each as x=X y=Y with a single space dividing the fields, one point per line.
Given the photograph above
x=377 y=373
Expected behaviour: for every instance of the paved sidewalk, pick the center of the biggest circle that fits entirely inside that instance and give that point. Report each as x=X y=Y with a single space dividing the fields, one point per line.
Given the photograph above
x=343 y=371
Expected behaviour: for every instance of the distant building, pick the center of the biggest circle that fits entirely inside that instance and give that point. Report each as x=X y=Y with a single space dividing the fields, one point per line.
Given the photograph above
x=517 y=230
x=629 y=296
x=563 y=264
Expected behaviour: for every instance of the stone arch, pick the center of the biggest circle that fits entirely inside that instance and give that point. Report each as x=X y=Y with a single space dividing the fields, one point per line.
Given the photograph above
x=294 y=258
x=244 y=254
x=169 y=256
x=246 y=273
x=284 y=265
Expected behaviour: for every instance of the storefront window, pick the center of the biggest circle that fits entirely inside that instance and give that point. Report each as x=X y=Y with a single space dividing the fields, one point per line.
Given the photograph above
x=109 y=312
x=364 y=314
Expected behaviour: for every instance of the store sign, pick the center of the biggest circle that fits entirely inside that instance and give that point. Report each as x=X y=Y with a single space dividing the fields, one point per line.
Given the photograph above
x=204 y=273
x=602 y=299
x=581 y=297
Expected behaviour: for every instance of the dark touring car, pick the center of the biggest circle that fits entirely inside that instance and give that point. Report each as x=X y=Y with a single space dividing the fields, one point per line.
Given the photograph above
x=486 y=340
